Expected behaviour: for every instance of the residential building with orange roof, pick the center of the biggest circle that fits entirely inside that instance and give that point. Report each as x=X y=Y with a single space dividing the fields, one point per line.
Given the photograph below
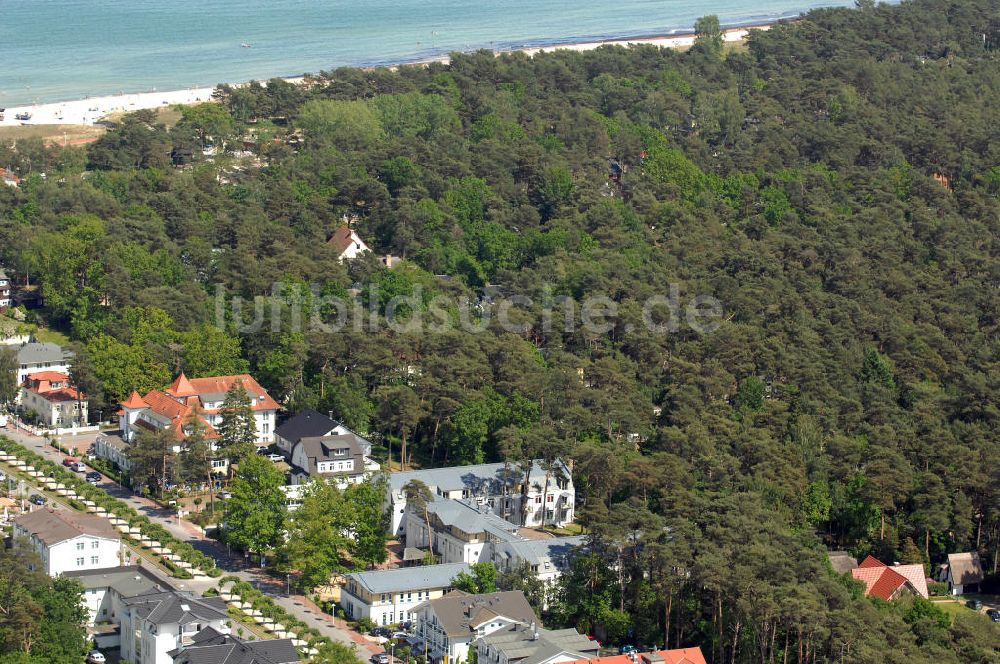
x=887 y=582
x=51 y=395
x=200 y=398
x=676 y=656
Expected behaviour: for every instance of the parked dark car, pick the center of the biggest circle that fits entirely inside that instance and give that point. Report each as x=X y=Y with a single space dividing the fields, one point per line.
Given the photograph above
x=37 y=499
x=994 y=615
x=974 y=604
x=94 y=478
x=384 y=632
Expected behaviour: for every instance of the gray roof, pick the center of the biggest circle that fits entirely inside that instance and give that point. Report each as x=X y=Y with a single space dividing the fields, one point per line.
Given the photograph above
x=460 y=613
x=126 y=581
x=469 y=518
x=556 y=549
x=212 y=647
x=308 y=423
x=321 y=448
x=409 y=578
x=35 y=352
x=965 y=568
x=114 y=441
x=842 y=562
x=52 y=526
x=520 y=645
x=173 y=607
x=482 y=478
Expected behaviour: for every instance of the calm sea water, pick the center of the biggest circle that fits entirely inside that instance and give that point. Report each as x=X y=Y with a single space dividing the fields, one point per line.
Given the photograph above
x=54 y=50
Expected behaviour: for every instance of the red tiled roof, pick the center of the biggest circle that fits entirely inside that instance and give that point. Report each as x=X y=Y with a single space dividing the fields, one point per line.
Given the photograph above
x=181 y=387
x=871 y=561
x=134 y=401
x=51 y=376
x=916 y=576
x=222 y=384
x=883 y=581
x=678 y=656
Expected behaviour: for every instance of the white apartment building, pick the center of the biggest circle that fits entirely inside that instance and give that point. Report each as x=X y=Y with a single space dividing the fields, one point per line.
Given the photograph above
x=497 y=485
x=389 y=596
x=57 y=403
x=69 y=541
x=155 y=624
x=34 y=356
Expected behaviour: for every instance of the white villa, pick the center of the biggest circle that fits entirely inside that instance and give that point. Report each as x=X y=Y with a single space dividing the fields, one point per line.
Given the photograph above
x=388 y=596
x=69 y=541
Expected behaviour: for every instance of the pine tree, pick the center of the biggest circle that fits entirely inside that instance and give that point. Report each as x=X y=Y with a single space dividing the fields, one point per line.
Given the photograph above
x=237 y=431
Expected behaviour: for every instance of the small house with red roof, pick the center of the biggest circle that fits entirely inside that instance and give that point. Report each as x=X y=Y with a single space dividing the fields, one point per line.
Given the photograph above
x=347 y=243
x=53 y=398
x=887 y=582
x=201 y=398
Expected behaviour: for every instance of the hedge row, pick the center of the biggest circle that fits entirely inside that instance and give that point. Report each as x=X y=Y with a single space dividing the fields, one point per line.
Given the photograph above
x=117 y=507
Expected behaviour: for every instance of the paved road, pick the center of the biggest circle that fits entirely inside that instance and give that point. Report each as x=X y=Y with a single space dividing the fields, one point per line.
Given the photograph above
x=231 y=563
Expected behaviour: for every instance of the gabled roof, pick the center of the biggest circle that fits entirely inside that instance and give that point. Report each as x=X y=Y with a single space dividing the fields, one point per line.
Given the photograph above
x=457 y=610
x=530 y=644
x=885 y=582
x=217 y=386
x=308 y=423
x=321 y=449
x=50 y=376
x=210 y=646
x=406 y=579
x=173 y=607
x=127 y=581
x=558 y=550
x=35 y=353
x=52 y=526
x=343 y=238
x=965 y=568
x=482 y=478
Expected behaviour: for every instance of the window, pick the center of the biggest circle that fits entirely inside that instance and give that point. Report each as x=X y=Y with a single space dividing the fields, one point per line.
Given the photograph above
x=95 y=544
x=94 y=560
x=265 y=428
x=79 y=562
x=79 y=546
x=538 y=500
x=550 y=498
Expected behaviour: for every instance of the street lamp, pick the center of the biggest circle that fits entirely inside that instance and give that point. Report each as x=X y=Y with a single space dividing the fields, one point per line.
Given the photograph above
x=392 y=652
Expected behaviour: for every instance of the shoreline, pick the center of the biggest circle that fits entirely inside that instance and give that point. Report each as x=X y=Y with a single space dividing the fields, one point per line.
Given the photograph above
x=91 y=110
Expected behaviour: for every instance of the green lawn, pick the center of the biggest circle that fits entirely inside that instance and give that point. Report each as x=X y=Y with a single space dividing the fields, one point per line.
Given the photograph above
x=42 y=334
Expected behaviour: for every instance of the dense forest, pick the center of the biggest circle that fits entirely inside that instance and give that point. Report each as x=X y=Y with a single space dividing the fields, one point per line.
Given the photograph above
x=834 y=185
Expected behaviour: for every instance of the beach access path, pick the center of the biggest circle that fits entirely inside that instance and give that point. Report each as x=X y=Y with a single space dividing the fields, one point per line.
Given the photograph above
x=92 y=110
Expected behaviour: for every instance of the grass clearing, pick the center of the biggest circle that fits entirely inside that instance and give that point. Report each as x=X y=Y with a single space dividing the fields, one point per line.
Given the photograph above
x=56 y=133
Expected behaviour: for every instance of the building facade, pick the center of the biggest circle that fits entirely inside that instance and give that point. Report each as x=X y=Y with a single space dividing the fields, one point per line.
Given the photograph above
x=448 y=627
x=531 y=644
x=69 y=541
x=56 y=402
x=388 y=597
x=34 y=357
x=339 y=459
x=155 y=624
x=547 y=494
x=6 y=300
x=311 y=424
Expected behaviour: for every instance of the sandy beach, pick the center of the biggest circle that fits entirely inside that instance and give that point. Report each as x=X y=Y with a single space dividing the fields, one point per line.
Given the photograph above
x=91 y=110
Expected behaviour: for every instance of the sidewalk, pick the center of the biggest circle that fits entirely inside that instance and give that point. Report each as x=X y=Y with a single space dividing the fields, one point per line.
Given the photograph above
x=233 y=564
